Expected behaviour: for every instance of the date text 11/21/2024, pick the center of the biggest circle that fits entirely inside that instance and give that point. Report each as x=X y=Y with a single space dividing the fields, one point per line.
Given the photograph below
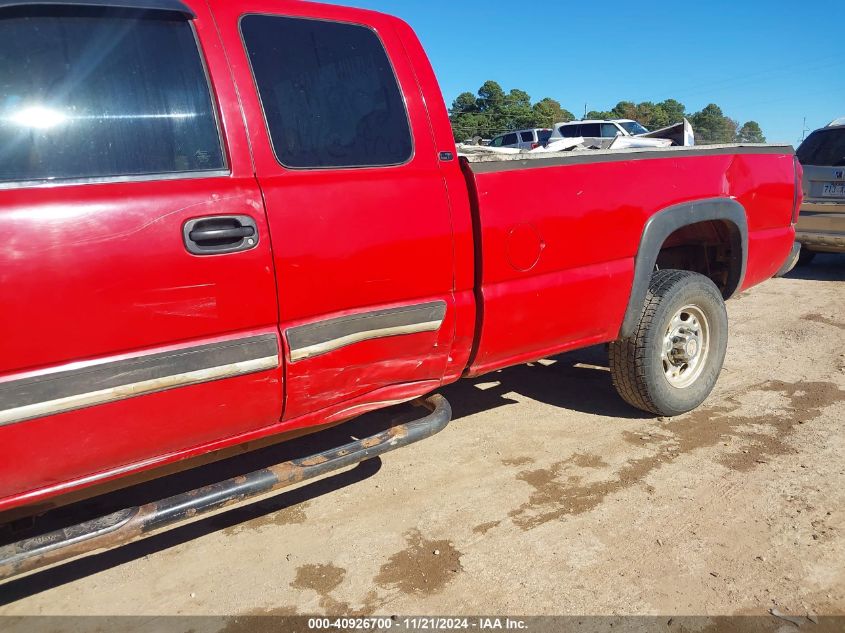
x=418 y=624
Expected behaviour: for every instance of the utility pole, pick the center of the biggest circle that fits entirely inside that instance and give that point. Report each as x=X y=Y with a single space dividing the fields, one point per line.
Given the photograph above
x=804 y=131
x=585 y=112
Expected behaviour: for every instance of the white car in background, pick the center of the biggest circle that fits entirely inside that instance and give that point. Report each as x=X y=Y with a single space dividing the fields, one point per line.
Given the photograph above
x=621 y=134
x=597 y=132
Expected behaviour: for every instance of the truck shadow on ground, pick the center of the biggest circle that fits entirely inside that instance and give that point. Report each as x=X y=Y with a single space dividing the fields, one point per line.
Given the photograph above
x=824 y=267
x=578 y=381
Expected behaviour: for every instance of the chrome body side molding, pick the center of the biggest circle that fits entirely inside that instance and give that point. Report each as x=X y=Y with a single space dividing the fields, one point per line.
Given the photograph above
x=66 y=390
x=322 y=337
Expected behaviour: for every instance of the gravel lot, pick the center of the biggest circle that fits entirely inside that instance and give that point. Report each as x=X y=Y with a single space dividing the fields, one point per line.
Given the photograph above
x=546 y=495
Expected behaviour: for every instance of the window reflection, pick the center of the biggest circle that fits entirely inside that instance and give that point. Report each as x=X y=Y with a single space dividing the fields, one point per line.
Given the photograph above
x=38 y=117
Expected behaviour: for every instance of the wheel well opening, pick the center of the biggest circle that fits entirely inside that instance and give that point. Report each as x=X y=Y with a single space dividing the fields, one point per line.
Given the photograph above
x=712 y=248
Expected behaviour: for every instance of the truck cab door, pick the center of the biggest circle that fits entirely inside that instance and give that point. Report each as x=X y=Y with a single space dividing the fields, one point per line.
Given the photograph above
x=357 y=207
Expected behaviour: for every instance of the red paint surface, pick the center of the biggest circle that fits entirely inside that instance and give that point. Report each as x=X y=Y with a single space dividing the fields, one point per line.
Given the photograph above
x=97 y=271
x=591 y=219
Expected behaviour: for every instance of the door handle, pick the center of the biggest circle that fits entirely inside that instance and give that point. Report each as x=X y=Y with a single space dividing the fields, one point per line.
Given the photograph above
x=204 y=236
x=220 y=234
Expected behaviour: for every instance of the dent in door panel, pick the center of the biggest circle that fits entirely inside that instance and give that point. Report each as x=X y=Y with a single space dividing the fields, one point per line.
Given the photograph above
x=341 y=358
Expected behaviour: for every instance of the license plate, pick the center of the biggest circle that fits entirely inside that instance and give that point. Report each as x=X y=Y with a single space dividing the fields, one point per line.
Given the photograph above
x=833 y=190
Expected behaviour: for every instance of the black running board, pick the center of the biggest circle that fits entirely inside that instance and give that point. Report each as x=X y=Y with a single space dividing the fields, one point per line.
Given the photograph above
x=133 y=524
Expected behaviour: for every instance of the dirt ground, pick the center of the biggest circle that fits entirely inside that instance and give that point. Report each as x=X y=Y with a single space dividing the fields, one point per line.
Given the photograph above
x=546 y=495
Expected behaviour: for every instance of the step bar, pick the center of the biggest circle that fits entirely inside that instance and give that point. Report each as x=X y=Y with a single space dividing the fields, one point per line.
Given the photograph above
x=135 y=523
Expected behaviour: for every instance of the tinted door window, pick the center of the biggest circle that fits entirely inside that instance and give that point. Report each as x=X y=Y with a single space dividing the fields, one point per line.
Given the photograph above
x=329 y=93
x=527 y=137
x=497 y=142
x=510 y=139
x=570 y=131
x=590 y=129
x=608 y=130
x=823 y=147
x=94 y=93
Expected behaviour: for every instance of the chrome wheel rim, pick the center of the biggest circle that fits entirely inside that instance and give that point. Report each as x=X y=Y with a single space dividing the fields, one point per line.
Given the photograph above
x=686 y=346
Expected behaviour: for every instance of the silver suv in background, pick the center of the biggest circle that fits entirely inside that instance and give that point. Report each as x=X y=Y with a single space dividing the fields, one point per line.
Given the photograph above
x=523 y=139
x=821 y=225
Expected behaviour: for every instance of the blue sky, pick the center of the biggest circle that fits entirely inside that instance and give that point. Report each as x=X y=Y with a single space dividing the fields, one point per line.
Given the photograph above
x=774 y=62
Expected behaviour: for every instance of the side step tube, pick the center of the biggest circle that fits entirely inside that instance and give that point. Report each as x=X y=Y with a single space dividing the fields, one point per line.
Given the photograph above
x=133 y=524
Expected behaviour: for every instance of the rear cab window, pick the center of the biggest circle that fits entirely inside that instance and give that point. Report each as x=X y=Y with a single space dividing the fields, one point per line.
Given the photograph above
x=93 y=93
x=329 y=93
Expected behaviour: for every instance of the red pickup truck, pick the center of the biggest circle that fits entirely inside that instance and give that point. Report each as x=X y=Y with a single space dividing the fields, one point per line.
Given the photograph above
x=228 y=221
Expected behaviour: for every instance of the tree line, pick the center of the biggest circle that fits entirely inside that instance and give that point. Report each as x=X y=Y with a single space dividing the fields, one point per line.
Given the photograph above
x=491 y=111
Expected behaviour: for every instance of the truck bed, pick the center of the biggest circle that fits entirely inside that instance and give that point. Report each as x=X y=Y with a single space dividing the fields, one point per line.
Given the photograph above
x=628 y=153
x=560 y=234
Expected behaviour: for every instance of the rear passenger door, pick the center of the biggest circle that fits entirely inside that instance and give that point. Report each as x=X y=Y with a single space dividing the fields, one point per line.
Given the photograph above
x=133 y=329
x=527 y=139
x=357 y=206
x=510 y=140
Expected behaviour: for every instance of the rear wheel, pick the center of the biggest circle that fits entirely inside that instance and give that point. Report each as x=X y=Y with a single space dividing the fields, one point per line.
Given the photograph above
x=671 y=363
x=805 y=257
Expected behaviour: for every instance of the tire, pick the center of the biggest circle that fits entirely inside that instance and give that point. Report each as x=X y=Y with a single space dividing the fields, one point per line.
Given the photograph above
x=674 y=378
x=805 y=257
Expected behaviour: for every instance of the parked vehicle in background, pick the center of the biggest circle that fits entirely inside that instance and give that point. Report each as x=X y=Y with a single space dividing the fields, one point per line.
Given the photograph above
x=523 y=139
x=147 y=322
x=597 y=132
x=821 y=226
